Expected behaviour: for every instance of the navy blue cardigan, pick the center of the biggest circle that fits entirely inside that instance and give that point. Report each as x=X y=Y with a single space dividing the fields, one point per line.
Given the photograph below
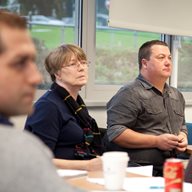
x=55 y=125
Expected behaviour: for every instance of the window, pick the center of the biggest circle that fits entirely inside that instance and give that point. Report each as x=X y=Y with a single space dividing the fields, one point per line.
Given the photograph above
x=113 y=53
x=184 y=64
x=183 y=67
x=51 y=23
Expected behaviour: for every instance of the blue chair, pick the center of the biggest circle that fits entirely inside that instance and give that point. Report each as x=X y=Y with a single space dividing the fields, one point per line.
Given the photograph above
x=188 y=171
x=185 y=155
x=189 y=128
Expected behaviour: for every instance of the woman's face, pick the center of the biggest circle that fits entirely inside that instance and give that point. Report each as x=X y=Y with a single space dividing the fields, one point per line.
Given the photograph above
x=73 y=75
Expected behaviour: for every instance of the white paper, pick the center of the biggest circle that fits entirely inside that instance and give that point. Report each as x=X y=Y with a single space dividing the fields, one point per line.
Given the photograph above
x=142 y=170
x=70 y=172
x=146 y=184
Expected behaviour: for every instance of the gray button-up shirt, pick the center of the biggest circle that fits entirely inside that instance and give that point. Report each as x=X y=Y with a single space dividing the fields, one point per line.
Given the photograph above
x=142 y=108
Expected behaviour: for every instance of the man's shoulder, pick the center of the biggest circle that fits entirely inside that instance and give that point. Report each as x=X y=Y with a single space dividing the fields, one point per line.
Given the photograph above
x=26 y=163
x=12 y=139
x=173 y=89
x=130 y=91
x=175 y=93
x=128 y=86
x=131 y=88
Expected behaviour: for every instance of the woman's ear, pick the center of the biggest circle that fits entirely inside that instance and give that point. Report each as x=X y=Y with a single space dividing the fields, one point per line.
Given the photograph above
x=58 y=75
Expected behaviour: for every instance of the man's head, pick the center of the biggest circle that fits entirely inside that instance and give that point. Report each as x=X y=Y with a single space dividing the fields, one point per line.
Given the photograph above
x=18 y=71
x=145 y=50
x=155 y=60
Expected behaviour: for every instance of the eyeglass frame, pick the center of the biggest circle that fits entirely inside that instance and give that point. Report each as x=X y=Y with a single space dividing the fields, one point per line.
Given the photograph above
x=77 y=64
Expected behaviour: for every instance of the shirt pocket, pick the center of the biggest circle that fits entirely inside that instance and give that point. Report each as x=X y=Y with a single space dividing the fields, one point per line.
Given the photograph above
x=153 y=106
x=177 y=108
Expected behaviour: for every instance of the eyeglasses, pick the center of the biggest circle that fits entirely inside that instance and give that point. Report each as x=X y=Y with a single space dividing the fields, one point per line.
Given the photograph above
x=77 y=64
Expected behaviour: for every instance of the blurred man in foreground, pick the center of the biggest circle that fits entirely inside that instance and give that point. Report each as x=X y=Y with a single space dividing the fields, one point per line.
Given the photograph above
x=25 y=163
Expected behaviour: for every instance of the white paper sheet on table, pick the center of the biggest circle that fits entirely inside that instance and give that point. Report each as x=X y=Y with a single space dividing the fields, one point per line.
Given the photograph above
x=144 y=184
x=142 y=170
x=70 y=172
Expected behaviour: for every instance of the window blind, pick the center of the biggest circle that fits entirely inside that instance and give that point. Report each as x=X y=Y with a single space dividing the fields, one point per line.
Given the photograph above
x=172 y=17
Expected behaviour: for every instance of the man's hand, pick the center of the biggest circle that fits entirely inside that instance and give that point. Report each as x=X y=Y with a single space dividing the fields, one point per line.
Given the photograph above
x=183 y=142
x=167 y=142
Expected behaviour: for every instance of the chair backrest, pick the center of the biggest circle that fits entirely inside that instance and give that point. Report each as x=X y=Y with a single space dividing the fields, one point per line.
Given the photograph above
x=189 y=128
x=188 y=172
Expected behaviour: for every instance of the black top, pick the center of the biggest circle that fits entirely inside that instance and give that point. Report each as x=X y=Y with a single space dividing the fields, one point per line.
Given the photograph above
x=55 y=125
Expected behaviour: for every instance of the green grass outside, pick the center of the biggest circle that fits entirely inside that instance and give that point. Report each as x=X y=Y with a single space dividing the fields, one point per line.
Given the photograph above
x=115 y=49
x=123 y=39
x=112 y=46
x=52 y=36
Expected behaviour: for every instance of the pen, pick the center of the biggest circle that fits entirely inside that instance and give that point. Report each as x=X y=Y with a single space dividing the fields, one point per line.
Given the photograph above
x=156 y=187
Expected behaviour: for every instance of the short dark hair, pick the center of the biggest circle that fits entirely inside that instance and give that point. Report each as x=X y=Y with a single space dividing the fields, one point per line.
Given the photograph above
x=12 y=20
x=145 y=50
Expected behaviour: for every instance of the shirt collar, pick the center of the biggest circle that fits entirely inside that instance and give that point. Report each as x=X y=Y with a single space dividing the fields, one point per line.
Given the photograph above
x=148 y=85
x=5 y=121
x=144 y=82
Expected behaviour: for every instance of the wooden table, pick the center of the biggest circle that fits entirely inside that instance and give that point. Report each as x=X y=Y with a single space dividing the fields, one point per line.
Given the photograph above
x=83 y=183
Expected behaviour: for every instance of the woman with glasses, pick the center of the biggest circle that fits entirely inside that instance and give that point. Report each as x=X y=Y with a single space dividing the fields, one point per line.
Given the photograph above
x=60 y=118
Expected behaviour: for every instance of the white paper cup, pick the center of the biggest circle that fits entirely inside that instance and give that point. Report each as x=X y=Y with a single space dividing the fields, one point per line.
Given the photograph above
x=114 y=169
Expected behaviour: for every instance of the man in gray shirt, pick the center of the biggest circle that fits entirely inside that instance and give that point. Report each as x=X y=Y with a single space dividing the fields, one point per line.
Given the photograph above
x=25 y=163
x=146 y=117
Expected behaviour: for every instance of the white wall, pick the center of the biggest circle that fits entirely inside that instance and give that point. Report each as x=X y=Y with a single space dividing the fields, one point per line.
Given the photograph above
x=99 y=113
x=19 y=121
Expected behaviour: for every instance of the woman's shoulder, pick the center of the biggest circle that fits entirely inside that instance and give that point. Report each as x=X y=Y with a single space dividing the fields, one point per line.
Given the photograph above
x=51 y=98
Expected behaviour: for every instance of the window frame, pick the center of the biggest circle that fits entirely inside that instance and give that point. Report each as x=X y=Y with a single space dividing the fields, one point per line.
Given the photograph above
x=96 y=95
x=99 y=95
